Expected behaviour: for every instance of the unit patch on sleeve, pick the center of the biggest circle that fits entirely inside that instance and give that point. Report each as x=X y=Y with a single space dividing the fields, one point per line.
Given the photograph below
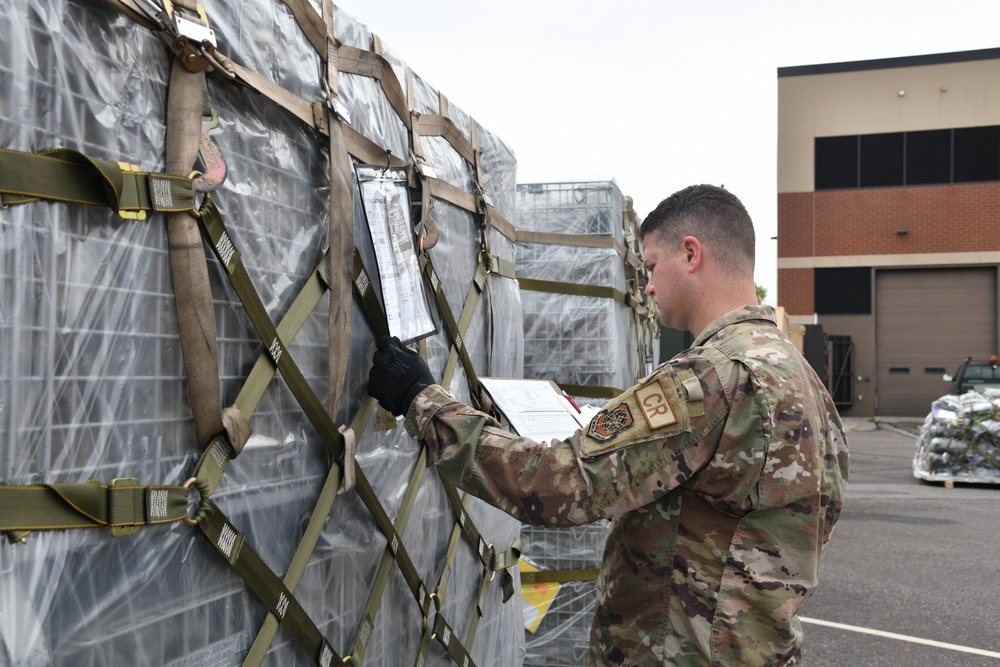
x=652 y=400
x=609 y=423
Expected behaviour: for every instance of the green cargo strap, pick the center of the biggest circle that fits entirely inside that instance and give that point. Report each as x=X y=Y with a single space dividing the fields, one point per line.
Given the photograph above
x=558 y=576
x=591 y=391
x=217 y=455
x=554 y=287
x=464 y=321
x=310 y=537
x=500 y=266
x=67 y=175
x=449 y=319
x=278 y=599
x=122 y=505
x=573 y=240
x=502 y=562
x=369 y=301
x=444 y=634
x=215 y=230
x=360 y=643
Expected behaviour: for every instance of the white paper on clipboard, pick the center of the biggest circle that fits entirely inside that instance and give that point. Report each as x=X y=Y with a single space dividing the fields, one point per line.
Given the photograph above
x=387 y=208
x=536 y=409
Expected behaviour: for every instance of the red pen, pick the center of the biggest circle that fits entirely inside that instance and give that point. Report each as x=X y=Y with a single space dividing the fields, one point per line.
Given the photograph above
x=571 y=401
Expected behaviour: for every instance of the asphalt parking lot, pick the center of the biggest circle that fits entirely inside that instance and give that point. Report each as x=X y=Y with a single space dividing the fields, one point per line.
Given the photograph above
x=912 y=573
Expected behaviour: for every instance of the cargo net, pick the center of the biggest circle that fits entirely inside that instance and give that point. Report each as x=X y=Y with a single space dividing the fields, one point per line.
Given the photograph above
x=269 y=563
x=960 y=439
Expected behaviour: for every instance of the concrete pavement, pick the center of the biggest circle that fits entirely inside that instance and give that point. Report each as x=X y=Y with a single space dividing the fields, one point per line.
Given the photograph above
x=912 y=573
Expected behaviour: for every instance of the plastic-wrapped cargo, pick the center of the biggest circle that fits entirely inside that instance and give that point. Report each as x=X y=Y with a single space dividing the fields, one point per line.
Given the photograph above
x=561 y=637
x=960 y=439
x=93 y=383
x=586 y=325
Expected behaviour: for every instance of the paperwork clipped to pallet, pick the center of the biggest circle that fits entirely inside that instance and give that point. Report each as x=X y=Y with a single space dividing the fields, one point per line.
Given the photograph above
x=387 y=208
x=537 y=409
x=960 y=439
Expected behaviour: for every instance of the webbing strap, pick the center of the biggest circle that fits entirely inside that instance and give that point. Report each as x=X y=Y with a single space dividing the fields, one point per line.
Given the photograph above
x=188 y=268
x=468 y=310
x=310 y=22
x=341 y=248
x=360 y=643
x=446 y=637
x=369 y=301
x=591 y=391
x=579 y=241
x=307 y=544
x=554 y=287
x=443 y=126
x=367 y=63
x=278 y=599
x=217 y=455
x=229 y=255
x=66 y=175
x=449 y=318
x=122 y=504
x=558 y=576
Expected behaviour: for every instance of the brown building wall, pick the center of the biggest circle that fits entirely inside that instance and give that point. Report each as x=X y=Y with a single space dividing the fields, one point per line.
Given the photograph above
x=941 y=218
x=796 y=289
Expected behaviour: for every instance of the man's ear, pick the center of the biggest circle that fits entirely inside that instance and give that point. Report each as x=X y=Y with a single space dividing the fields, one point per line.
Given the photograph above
x=692 y=252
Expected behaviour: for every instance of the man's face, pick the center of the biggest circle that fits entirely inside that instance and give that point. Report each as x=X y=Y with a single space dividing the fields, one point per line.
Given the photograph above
x=666 y=280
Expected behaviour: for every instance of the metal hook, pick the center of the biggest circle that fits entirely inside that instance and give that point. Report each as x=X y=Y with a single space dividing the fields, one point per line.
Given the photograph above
x=388 y=161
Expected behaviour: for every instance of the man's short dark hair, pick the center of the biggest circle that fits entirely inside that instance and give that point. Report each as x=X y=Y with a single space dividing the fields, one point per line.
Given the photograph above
x=714 y=216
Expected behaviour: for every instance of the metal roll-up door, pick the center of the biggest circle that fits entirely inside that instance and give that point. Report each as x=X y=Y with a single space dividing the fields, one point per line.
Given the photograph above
x=926 y=322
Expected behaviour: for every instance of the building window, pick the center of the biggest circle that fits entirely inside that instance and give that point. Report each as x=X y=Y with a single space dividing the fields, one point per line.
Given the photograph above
x=881 y=160
x=893 y=159
x=977 y=154
x=836 y=162
x=843 y=291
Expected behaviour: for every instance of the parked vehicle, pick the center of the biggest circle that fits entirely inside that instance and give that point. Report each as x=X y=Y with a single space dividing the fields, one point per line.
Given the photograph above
x=974 y=375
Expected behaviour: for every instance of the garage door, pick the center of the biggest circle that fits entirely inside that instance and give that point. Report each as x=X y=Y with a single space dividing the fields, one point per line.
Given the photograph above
x=926 y=322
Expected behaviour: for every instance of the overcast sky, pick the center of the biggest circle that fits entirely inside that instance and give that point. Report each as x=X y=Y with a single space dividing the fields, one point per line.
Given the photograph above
x=655 y=94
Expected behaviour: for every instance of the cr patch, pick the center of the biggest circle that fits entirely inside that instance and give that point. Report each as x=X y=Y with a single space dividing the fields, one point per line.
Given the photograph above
x=652 y=400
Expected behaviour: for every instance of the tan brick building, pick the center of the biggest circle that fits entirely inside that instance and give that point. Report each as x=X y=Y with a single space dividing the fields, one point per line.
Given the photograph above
x=889 y=221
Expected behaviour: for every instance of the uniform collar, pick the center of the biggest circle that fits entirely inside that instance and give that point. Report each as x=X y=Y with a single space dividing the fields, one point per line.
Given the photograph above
x=741 y=314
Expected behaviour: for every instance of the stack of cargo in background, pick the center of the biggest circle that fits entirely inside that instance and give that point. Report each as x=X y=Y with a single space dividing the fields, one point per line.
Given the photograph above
x=573 y=236
x=92 y=383
x=960 y=439
x=586 y=327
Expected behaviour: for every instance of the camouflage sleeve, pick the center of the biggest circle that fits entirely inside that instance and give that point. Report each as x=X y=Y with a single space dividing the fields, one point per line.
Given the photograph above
x=639 y=446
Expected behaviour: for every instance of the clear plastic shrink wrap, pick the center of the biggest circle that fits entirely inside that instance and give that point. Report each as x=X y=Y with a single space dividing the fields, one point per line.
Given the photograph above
x=960 y=439
x=589 y=344
x=92 y=383
x=579 y=339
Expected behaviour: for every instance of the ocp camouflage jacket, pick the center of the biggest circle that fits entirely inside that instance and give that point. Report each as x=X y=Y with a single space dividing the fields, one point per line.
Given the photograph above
x=723 y=472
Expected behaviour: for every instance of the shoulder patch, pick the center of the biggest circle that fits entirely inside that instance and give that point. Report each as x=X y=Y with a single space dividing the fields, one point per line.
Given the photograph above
x=610 y=422
x=655 y=406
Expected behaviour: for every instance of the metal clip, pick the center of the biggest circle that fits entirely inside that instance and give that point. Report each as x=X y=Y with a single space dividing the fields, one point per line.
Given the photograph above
x=124 y=531
x=193 y=38
x=138 y=214
x=155 y=13
x=339 y=108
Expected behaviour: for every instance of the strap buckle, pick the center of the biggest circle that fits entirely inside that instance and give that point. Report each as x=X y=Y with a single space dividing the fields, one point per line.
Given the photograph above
x=193 y=39
x=130 y=214
x=123 y=482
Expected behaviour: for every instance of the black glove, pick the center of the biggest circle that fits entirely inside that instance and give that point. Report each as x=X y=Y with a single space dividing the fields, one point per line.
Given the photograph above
x=398 y=374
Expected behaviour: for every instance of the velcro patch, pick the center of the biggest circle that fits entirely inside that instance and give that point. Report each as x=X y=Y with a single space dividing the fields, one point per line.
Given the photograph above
x=609 y=423
x=655 y=406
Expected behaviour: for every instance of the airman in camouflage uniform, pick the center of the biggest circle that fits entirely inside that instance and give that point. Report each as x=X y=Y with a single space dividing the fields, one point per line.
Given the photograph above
x=723 y=473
